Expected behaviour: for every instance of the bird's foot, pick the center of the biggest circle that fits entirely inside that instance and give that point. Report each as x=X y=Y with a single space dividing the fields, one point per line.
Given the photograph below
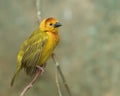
x=41 y=69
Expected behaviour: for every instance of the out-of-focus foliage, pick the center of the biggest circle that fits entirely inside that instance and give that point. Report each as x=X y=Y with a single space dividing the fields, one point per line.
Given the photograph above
x=88 y=53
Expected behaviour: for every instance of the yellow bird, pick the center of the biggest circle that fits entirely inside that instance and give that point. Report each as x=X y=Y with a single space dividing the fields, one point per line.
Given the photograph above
x=38 y=47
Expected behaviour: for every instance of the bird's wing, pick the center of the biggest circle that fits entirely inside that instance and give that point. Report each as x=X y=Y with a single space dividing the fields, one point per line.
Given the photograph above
x=33 y=50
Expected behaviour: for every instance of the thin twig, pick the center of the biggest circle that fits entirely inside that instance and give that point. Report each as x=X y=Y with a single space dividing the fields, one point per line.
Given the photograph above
x=58 y=83
x=61 y=74
x=38 y=10
x=39 y=71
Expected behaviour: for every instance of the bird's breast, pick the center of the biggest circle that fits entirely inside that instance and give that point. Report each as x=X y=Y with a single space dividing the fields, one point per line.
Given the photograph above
x=53 y=40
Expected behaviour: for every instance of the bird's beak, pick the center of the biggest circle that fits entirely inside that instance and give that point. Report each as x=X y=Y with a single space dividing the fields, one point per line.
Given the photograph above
x=57 y=24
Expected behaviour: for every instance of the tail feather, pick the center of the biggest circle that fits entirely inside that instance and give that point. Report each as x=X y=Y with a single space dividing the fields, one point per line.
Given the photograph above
x=14 y=77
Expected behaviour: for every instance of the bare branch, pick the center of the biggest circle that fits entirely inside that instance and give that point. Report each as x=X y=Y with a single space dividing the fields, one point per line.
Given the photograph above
x=38 y=10
x=38 y=73
x=58 y=83
x=61 y=74
x=40 y=70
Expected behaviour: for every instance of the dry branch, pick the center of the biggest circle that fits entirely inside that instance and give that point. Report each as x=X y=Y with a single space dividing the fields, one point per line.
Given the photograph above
x=58 y=83
x=38 y=73
x=38 y=10
x=40 y=70
x=62 y=76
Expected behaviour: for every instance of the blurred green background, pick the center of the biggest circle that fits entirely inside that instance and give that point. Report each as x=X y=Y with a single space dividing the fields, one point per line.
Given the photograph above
x=88 y=52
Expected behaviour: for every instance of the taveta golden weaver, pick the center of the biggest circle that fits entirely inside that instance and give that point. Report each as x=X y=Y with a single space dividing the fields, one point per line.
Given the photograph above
x=38 y=47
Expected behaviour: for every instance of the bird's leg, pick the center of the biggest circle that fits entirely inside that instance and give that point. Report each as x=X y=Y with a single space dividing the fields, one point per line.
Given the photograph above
x=39 y=71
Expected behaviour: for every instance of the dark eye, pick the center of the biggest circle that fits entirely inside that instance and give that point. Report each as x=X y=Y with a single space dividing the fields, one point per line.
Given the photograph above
x=51 y=24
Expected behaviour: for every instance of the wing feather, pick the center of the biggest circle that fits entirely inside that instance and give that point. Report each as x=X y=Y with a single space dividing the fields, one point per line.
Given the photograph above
x=33 y=51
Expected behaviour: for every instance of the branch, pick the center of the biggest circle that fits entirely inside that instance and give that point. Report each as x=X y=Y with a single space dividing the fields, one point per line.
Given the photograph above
x=40 y=70
x=58 y=83
x=38 y=73
x=62 y=76
x=38 y=10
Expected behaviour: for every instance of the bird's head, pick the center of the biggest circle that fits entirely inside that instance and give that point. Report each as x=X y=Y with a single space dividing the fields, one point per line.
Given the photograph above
x=50 y=25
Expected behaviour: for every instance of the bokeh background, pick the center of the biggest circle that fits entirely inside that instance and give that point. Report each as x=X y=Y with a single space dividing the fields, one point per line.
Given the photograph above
x=88 y=52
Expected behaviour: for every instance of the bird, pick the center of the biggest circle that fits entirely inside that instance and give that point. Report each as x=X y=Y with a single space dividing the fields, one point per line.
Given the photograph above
x=38 y=47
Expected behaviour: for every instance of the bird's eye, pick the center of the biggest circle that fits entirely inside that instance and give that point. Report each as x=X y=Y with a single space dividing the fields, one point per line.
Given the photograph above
x=51 y=24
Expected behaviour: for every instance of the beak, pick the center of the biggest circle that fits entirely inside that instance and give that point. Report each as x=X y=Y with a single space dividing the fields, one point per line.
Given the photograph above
x=57 y=24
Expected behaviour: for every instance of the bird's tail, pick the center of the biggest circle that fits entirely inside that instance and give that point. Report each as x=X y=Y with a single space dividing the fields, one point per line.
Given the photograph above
x=15 y=75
